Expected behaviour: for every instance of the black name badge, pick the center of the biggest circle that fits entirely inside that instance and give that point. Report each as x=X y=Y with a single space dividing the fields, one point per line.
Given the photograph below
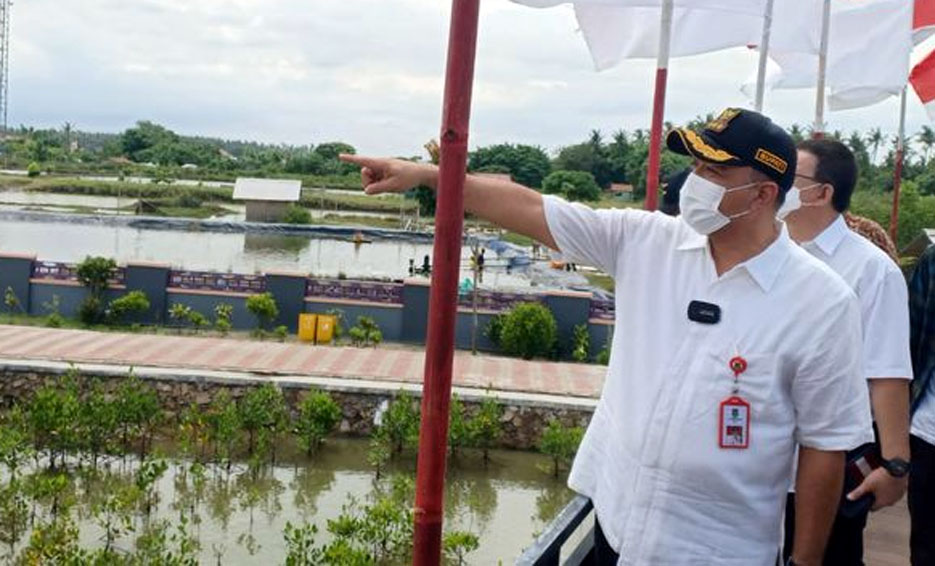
x=705 y=313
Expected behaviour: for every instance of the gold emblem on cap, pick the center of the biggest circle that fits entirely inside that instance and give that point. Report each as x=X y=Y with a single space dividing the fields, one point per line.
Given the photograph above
x=771 y=160
x=698 y=145
x=720 y=123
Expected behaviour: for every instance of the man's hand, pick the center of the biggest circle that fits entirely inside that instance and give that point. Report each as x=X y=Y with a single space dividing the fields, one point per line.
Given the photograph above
x=886 y=489
x=391 y=175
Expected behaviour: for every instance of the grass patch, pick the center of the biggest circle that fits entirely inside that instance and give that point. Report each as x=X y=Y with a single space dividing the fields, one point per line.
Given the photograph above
x=329 y=201
x=600 y=280
x=517 y=239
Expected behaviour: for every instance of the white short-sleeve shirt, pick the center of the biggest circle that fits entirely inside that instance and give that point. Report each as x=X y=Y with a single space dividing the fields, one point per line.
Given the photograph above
x=664 y=491
x=881 y=289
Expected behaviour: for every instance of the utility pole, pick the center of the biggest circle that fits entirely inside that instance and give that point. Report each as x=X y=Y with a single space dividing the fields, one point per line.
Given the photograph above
x=4 y=61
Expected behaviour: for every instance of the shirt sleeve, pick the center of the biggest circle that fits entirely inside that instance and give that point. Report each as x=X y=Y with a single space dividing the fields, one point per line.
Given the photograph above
x=831 y=397
x=886 y=329
x=585 y=235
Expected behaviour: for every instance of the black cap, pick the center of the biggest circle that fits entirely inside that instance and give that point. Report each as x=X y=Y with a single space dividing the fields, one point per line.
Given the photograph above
x=741 y=138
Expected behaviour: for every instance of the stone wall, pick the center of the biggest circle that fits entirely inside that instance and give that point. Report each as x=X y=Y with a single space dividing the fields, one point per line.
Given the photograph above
x=524 y=416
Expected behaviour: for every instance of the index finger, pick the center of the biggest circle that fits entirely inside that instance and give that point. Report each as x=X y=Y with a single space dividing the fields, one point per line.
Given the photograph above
x=360 y=160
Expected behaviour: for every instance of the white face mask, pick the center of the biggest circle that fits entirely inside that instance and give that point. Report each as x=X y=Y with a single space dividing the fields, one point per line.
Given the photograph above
x=700 y=201
x=793 y=201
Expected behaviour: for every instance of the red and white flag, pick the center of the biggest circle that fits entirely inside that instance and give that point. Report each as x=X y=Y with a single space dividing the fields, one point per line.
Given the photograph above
x=923 y=24
x=923 y=81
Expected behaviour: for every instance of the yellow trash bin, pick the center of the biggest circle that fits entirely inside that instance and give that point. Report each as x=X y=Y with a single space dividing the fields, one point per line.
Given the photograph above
x=307 y=325
x=325 y=331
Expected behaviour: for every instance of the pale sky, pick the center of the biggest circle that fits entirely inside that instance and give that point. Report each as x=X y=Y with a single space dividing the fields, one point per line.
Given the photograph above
x=369 y=72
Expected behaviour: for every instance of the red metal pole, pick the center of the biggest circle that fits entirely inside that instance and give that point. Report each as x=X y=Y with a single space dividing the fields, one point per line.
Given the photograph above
x=897 y=182
x=439 y=349
x=655 y=141
x=898 y=167
x=659 y=105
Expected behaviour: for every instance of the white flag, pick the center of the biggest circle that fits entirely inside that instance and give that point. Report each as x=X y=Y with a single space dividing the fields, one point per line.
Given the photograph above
x=869 y=46
x=749 y=7
x=629 y=29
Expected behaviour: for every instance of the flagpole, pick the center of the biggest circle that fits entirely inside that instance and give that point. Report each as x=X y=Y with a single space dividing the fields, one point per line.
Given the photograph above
x=764 y=54
x=443 y=294
x=898 y=166
x=659 y=105
x=819 y=128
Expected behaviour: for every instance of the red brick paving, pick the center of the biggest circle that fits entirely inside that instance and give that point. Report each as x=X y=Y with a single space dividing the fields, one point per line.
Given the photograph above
x=376 y=364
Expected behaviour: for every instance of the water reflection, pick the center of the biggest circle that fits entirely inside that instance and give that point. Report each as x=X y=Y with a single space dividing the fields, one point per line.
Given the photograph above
x=239 y=516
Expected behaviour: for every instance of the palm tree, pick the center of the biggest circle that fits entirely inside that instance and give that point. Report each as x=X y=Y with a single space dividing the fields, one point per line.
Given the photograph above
x=875 y=140
x=796 y=132
x=927 y=139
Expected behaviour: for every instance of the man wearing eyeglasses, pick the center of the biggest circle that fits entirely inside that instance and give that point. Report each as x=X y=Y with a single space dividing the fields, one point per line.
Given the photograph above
x=814 y=209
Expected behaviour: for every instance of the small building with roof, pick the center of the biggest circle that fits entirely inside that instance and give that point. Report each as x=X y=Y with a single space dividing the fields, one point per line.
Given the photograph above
x=267 y=200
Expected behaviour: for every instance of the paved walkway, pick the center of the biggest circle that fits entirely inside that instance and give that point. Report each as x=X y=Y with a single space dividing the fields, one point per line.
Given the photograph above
x=887 y=536
x=294 y=359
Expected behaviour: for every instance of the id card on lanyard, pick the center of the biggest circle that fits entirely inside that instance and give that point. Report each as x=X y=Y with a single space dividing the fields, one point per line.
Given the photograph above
x=734 y=413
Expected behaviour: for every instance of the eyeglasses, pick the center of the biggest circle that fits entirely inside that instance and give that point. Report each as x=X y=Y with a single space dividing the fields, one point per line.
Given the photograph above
x=798 y=176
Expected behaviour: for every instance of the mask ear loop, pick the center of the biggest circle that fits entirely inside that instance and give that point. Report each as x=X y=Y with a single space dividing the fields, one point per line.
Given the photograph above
x=802 y=203
x=740 y=188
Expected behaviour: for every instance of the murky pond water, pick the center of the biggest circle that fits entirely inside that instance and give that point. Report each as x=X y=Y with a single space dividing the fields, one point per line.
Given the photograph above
x=240 y=519
x=238 y=252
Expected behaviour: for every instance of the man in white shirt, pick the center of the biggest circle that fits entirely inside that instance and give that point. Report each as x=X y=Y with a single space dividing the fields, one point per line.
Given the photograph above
x=824 y=182
x=721 y=362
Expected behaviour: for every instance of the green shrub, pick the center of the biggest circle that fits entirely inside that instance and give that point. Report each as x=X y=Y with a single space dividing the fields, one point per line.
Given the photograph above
x=281 y=332
x=90 y=311
x=138 y=413
x=318 y=415
x=132 y=304
x=223 y=423
x=296 y=214
x=181 y=314
x=485 y=428
x=223 y=313
x=263 y=307
x=603 y=357
x=458 y=544
x=33 y=169
x=459 y=432
x=198 y=320
x=366 y=333
x=263 y=415
x=529 y=330
x=55 y=319
x=581 y=343
x=188 y=200
x=560 y=443
x=573 y=185
x=11 y=301
x=400 y=423
x=95 y=272
x=494 y=329
x=339 y=322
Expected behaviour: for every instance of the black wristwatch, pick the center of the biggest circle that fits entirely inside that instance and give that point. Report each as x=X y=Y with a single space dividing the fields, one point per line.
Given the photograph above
x=897 y=467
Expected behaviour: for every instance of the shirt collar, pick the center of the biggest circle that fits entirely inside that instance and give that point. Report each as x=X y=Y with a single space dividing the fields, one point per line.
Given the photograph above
x=764 y=267
x=832 y=236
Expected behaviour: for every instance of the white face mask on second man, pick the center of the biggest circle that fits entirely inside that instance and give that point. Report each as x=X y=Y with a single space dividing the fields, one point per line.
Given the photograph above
x=700 y=201
x=793 y=201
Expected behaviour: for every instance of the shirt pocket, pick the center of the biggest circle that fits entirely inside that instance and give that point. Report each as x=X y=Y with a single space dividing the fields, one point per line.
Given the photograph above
x=758 y=385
